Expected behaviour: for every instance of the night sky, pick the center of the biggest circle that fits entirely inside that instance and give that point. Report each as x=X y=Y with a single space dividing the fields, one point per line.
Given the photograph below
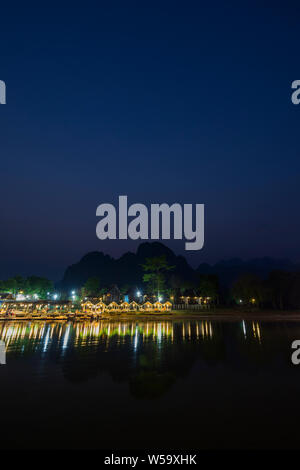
x=161 y=101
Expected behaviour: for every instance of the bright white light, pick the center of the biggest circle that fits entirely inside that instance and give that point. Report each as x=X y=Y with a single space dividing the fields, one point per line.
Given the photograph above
x=35 y=296
x=138 y=293
x=73 y=292
x=66 y=337
x=159 y=299
x=159 y=333
x=135 y=343
x=20 y=297
x=244 y=329
x=46 y=341
x=55 y=296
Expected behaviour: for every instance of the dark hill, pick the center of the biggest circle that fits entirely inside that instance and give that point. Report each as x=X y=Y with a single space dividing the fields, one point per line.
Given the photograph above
x=229 y=270
x=127 y=270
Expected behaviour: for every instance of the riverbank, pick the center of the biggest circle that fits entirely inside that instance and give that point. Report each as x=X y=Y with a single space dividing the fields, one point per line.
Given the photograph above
x=173 y=315
x=218 y=314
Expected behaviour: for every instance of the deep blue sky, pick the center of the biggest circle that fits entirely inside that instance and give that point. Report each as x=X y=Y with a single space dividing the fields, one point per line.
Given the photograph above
x=162 y=101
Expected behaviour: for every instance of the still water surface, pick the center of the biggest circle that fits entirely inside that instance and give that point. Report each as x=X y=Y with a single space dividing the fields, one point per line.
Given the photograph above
x=197 y=384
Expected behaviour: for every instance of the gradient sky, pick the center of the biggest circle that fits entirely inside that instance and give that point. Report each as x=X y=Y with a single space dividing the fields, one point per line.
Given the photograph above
x=163 y=101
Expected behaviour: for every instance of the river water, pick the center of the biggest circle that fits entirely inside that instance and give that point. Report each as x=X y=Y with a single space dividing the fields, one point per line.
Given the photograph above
x=151 y=384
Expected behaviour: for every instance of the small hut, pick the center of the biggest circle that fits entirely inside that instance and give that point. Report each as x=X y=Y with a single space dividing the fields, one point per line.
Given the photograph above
x=134 y=305
x=100 y=307
x=113 y=306
x=147 y=306
x=158 y=305
x=167 y=305
x=87 y=307
x=125 y=306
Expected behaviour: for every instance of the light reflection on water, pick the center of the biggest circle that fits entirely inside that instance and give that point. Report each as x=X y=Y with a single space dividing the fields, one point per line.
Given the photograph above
x=137 y=378
x=42 y=333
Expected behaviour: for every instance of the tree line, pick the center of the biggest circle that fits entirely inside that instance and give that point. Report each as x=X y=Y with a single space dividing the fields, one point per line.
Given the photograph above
x=30 y=285
x=280 y=290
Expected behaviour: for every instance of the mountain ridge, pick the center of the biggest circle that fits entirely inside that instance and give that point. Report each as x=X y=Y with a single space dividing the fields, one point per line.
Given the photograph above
x=127 y=269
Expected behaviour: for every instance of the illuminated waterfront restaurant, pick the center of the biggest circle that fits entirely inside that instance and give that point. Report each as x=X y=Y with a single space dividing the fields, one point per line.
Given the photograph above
x=65 y=309
x=100 y=307
x=42 y=308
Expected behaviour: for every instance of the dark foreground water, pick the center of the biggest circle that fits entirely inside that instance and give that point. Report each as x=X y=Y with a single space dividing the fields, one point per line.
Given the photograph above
x=114 y=385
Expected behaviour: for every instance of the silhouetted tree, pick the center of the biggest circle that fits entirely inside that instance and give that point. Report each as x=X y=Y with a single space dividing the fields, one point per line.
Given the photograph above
x=249 y=289
x=38 y=285
x=13 y=284
x=91 y=288
x=156 y=268
x=209 y=286
x=294 y=291
x=284 y=289
x=31 y=285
